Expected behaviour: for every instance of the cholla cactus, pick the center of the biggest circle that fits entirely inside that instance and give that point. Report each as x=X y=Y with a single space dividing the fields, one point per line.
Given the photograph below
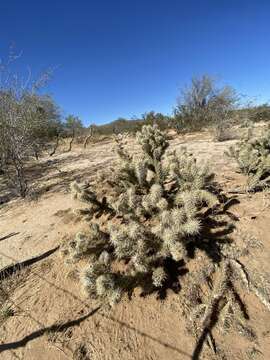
x=83 y=193
x=157 y=208
x=211 y=296
x=99 y=281
x=162 y=208
x=253 y=158
x=159 y=276
x=85 y=245
x=224 y=299
x=153 y=142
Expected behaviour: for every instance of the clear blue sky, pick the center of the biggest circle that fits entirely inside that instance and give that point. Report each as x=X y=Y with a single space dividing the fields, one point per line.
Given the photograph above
x=119 y=58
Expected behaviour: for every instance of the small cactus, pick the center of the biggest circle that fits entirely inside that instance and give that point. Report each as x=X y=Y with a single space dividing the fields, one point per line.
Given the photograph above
x=253 y=158
x=159 y=199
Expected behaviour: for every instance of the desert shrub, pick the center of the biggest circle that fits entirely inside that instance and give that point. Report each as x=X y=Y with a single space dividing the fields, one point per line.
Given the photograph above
x=259 y=113
x=253 y=157
x=28 y=120
x=73 y=129
x=119 y=126
x=26 y=125
x=223 y=132
x=153 y=118
x=122 y=125
x=204 y=104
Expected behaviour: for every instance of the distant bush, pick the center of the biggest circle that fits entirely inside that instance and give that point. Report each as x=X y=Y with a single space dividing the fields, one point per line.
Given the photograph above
x=72 y=128
x=223 y=131
x=203 y=104
x=118 y=126
x=259 y=113
x=152 y=118
x=122 y=125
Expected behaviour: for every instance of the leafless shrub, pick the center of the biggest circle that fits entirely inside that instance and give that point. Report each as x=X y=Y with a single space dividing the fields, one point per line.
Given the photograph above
x=89 y=136
x=72 y=128
x=223 y=132
x=203 y=104
x=259 y=113
x=27 y=121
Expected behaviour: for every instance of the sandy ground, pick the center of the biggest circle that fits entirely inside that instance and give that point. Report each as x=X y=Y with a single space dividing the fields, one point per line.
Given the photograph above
x=53 y=319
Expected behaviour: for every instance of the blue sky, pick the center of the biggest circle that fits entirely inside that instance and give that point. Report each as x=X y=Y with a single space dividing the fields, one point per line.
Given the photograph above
x=123 y=58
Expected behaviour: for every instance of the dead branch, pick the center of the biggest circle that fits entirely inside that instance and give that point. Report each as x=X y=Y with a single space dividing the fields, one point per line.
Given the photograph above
x=88 y=138
x=55 y=145
x=71 y=141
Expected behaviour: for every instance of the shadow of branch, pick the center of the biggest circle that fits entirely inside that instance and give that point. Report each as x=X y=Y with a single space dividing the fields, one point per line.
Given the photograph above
x=38 y=333
x=71 y=323
x=139 y=332
x=9 y=236
x=12 y=269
